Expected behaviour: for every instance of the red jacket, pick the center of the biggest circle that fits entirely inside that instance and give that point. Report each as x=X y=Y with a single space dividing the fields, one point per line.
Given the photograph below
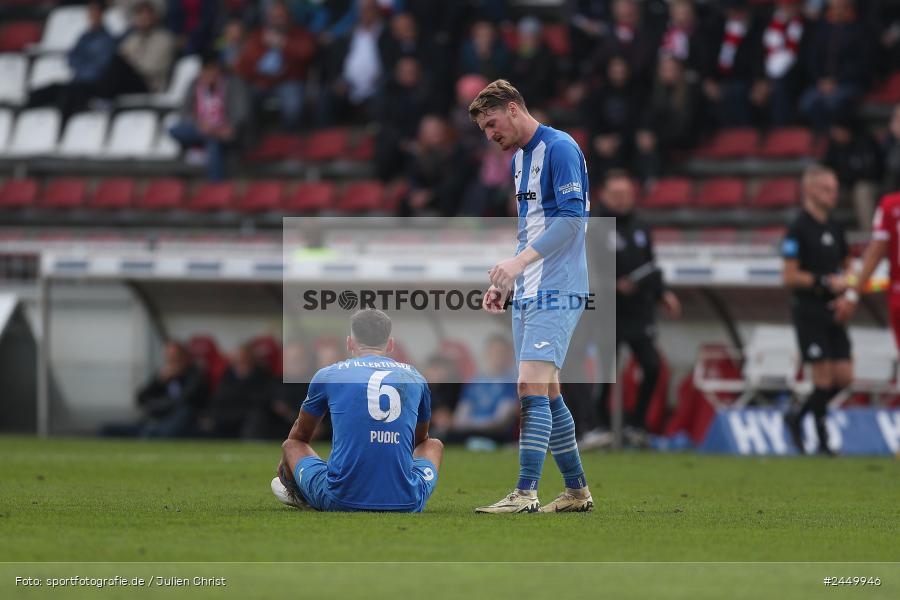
x=298 y=53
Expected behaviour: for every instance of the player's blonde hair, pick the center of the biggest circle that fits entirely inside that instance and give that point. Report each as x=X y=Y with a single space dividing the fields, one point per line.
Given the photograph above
x=497 y=93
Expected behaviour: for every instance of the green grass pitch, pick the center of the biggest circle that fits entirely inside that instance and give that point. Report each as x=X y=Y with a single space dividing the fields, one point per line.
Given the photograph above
x=672 y=523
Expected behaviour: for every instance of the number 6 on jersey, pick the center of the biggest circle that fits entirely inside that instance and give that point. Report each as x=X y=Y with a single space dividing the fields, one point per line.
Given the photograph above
x=375 y=391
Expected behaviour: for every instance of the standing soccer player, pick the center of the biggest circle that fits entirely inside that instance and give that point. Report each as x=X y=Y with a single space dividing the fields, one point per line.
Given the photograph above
x=381 y=457
x=885 y=233
x=548 y=277
x=815 y=262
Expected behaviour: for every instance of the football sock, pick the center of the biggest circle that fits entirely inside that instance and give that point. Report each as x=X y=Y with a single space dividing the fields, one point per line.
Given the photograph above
x=818 y=402
x=563 y=445
x=534 y=437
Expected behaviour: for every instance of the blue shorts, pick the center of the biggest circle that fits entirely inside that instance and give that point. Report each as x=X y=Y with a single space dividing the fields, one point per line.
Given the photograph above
x=311 y=476
x=543 y=327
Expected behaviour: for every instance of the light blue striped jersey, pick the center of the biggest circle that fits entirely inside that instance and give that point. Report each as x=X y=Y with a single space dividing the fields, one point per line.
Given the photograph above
x=551 y=180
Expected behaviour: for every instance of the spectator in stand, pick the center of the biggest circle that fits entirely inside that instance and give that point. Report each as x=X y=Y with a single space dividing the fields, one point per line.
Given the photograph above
x=213 y=115
x=838 y=60
x=533 y=66
x=353 y=70
x=193 y=22
x=401 y=106
x=401 y=40
x=435 y=188
x=728 y=82
x=271 y=419
x=471 y=138
x=586 y=24
x=891 y=152
x=491 y=194
x=443 y=379
x=629 y=38
x=855 y=157
x=275 y=60
x=684 y=39
x=670 y=120
x=489 y=404
x=170 y=401
x=144 y=59
x=88 y=60
x=484 y=53
x=245 y=388
x=610 y=111
x=780 y=85
x=230 y=44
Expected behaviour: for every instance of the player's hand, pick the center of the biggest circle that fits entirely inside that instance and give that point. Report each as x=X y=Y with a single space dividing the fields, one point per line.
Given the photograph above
x=844 y=308
x=837 y=284
x=503 y=275
x=671 y=304
x=494 y=300
x=625 y=286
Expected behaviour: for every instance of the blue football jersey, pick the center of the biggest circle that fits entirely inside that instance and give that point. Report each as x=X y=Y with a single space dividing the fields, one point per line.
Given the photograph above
x=375 y=404
x=550 y=176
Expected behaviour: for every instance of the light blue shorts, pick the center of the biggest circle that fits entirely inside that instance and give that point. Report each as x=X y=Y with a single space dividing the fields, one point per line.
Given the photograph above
x=543 y=326
x=311 y=476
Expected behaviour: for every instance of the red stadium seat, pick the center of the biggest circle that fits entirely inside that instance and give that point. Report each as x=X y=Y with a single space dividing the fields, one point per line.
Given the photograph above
x=509 y=35
x=667 y=235
x=267 y=352
x=777 y=193
x=888 y=92
x=788 y=142
x=721 y=192
x=312 y=196
x=460 y=354
x=324 y=145
x=363 y=196
x=276 y=147
x=262 y=196
x=582 y=138
x=556 y=36
x=739 y=142
x=113 y=194
x=64 y=193
x=18 y=193
x=717 y=235
x=17 y=35
x=212 y=197
x=206 y=354
x=163 y=194
x=669 y=192
x=363 y=150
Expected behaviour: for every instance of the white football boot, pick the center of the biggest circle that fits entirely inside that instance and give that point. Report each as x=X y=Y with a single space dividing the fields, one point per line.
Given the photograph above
x=569 y=502
x=287 y=497
x=515 y=502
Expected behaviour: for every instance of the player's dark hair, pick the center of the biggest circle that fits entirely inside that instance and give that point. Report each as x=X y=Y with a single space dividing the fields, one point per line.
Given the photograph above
x=370 y=328
x=612 y=174
x=497 y=94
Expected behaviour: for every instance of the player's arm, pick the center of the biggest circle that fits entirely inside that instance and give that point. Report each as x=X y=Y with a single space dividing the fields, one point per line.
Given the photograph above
x=304 y=427
x=792 y=276
x=875 y=251
x=421 y=432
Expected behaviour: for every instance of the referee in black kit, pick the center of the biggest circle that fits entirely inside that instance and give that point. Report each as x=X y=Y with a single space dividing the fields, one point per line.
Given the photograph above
x=639 y=289
x=816 y=261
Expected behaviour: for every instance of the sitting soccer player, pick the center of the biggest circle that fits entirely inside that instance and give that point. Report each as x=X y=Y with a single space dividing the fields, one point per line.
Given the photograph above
x=382 y=458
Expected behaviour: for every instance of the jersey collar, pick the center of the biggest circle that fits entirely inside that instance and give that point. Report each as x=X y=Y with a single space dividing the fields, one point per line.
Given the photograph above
x=534 y=139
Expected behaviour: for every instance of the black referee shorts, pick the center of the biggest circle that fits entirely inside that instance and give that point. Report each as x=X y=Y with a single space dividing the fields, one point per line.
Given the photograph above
x=820 y=337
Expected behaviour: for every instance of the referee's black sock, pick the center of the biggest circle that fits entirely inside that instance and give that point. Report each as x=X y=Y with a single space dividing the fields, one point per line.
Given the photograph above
x=818 y=403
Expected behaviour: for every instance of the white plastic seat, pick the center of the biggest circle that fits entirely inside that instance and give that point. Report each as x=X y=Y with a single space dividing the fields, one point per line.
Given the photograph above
x=166 y=148
x=186 y=70
x=6 y=121
x=63 y=28
x=13 y=70
x=84 y=135
x=48 y=70
x=132 y=136
x=35 y=132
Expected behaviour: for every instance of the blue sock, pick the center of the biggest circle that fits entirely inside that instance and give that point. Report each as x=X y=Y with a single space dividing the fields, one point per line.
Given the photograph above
x=533 y=439
x=563 y=445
